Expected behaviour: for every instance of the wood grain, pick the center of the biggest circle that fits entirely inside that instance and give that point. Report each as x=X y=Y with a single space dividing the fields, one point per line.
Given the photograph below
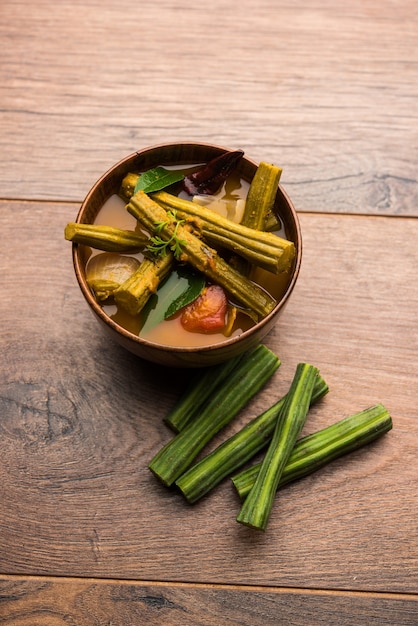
x=55 y=602
x=81 y=418
x=326 y=90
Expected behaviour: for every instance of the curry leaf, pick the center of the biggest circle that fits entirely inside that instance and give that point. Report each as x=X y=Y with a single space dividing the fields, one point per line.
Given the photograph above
x=196 y=283
x=157 y=178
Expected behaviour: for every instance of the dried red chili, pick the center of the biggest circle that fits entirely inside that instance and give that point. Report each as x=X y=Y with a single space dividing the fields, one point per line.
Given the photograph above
x=209 y=178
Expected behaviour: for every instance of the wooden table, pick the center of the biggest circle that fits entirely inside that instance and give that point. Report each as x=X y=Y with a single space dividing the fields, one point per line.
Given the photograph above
x=327 y=90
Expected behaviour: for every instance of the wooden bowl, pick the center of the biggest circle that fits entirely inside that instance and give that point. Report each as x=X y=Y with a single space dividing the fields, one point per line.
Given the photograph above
x=109 y=184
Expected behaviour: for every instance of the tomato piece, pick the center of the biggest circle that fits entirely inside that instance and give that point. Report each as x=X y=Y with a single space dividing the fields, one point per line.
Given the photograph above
x=207 y=313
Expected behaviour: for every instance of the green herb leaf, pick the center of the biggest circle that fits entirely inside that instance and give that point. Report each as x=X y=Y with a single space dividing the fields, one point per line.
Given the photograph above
x=181 y=285
x=157 y=178
x=196 y=283
x=159 y=246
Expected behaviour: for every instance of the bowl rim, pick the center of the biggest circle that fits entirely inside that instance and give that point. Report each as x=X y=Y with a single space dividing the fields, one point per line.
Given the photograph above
x=151 y=345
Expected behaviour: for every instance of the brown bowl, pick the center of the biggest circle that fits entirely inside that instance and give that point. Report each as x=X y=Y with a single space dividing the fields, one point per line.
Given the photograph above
x=108 y=184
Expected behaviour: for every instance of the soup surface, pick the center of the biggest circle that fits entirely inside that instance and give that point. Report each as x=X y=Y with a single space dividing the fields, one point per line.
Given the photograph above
x=228 y=202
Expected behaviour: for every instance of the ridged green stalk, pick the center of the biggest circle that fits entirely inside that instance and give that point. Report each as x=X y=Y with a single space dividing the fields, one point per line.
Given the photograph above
x=106 y=238
x=261 y=196
x=256 y=509
x=237 y=450
x=314 y=451
x=263 y=249
x=203 y=258
x=134 y=293
x=198 y=392
x=250 y=375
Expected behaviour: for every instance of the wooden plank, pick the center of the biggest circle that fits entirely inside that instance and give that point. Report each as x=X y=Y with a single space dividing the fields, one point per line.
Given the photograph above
x=44 y=601
x=326 y=90
x=81 y=418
